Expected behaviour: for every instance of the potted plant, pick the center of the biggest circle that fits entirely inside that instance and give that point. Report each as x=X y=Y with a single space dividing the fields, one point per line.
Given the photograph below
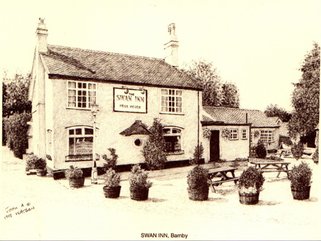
x=31 y=160
x=138 y=184
x=249 y=185
x=300 y=177
x=75 y=177
x=197 y=184
x=40 y=167
x=112 y=187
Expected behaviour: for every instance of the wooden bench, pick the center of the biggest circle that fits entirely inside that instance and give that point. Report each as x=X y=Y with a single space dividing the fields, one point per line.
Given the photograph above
x=222 y=173
x=271 y=166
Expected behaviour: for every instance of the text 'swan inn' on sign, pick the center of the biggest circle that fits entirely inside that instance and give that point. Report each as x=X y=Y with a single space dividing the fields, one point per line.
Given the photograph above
x=130 y=100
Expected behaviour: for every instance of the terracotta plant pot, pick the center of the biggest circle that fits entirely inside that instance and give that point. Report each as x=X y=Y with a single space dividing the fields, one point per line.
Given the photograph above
x=198 y=194
x=249 y=198
x=76 y=182
x=140 y=194
x=111 y=192
x=301 y=194
x=41 y=172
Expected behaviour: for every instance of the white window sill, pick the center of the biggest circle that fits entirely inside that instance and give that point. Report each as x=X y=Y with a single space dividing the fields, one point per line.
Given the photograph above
x=174 y=153
x=171 y=113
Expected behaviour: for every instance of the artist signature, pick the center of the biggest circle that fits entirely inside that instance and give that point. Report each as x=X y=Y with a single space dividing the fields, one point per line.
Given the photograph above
x=12 y=211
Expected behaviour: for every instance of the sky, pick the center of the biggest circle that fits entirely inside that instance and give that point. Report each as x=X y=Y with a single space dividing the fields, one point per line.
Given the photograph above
x=259 y=45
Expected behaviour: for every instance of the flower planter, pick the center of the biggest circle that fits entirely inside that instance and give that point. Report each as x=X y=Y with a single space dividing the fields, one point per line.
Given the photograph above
x=198 y=194
x=76 y=182
x=111 y=192
x=139 y=194
x=301 y=194
x=249 y=198
x=41 y=172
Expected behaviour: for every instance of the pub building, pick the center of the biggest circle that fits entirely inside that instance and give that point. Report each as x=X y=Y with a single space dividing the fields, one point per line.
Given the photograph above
x=86 y=101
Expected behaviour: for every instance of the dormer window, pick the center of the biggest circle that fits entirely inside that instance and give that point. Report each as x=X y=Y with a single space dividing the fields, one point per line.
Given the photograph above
x=81 y=94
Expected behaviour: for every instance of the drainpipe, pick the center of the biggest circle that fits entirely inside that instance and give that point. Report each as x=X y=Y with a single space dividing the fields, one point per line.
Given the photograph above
x=198 y=118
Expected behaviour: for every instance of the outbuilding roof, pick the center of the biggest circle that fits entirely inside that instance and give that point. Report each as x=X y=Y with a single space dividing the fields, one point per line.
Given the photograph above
x=76 y=63
x=238 y=116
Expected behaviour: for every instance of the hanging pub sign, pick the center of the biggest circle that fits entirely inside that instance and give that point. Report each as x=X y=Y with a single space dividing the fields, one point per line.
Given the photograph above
x=130 y=100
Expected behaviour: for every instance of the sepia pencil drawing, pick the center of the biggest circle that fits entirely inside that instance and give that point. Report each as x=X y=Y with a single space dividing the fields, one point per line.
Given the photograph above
x=101 y=144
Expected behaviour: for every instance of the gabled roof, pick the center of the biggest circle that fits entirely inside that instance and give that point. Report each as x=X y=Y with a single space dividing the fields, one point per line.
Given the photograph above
x=75 y=63
x=238 y=116
x=137 y=128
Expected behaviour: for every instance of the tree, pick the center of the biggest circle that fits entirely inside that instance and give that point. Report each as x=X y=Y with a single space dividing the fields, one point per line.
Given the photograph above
x=15 y=95
x=153 y=150
x=305 y=97
x=275 y=110
x=215 y=93
x=230 y=95
x=207 y=77
x=16 y=110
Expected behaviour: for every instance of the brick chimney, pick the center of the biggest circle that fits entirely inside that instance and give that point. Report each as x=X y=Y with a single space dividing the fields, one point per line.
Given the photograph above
x=42 y=34
x=171 y=47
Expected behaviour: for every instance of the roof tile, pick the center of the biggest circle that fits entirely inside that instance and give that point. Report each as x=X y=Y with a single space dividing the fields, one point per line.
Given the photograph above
x=114 y=67
x=238 y=116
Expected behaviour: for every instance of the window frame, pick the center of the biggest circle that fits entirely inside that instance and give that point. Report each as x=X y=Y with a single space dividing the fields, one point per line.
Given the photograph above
x=244 y=131
x=231 y=137
x=79 y=157
x=174 y=134
x=174 y=98
x=267 y=136
x=88 y=94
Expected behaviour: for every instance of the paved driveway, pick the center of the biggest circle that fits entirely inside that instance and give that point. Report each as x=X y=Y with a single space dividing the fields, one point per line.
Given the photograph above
x=53 y=211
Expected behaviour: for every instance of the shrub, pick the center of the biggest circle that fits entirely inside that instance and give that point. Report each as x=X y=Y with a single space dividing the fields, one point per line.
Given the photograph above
x=16 y=131
x=138 y=179
x=297 y=150
x=251 y=178
x=110 y=162
x=40 y=163
x=198 y=154
x=260 y=149
x=315 y=156
x=153 y=150
x=31 y=161
x=197 y=183
x=197 y=178
x=73 y=173
x=300 y=176
x=112 y=178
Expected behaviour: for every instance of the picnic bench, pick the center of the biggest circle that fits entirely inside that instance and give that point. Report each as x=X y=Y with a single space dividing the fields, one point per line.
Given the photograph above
x=224 y=174
x=271 y=166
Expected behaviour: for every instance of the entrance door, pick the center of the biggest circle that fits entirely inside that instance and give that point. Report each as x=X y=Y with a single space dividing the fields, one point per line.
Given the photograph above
x=215 y=146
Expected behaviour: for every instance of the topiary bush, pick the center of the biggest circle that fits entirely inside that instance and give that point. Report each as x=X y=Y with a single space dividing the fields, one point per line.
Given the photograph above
x=260 y=149
x=297 y=150
x=197 y=183
x=198 y=154
x=300 y=176
x=16 y=131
